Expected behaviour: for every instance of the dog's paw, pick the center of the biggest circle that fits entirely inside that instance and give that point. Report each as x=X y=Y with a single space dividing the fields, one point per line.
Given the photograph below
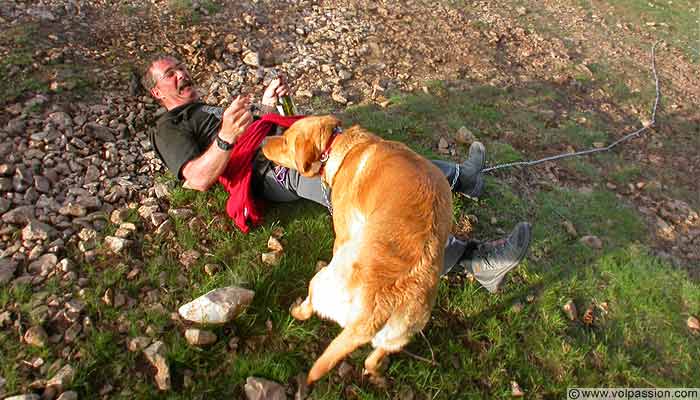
x=300 y=310
x=375 y=378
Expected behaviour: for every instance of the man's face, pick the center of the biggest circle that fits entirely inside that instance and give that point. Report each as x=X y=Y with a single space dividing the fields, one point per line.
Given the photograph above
x=174 y=87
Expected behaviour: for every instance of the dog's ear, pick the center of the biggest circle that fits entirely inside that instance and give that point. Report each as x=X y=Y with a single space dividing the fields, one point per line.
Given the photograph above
x=326 y=126
x=273 y=147
x=309 y=146
x=306 y=155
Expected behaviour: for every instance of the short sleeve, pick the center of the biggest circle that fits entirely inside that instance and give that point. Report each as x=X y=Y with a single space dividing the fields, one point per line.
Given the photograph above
x=175 y=146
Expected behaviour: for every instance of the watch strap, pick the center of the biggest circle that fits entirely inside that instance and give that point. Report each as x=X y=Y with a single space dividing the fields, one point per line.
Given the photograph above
x=223 y=145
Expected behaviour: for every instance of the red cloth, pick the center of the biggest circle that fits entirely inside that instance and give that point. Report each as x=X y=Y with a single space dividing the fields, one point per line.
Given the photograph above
x=241 y=206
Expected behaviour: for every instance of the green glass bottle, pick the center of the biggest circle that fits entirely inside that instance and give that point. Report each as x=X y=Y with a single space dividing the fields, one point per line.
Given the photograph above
x=286 y=105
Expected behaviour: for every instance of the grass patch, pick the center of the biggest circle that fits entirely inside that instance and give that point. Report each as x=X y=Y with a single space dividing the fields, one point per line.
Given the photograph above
x=674 y=21
x=481 y=341
x=186 y=12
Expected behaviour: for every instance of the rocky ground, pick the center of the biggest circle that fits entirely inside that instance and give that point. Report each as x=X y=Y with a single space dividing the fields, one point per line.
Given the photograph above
x=71 y=164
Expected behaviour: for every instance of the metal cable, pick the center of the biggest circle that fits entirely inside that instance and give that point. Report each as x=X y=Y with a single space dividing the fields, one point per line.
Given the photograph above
x=636 y=133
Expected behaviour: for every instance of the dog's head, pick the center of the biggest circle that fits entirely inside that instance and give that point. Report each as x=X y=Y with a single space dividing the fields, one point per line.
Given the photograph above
x=301 y=145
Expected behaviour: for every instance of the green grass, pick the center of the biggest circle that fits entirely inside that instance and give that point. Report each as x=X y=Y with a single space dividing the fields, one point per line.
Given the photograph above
x=675 y=21
x=481 y=341
x=186 y=13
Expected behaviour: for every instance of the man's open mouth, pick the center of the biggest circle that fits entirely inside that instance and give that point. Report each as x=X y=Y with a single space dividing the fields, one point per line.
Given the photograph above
x=184 y=85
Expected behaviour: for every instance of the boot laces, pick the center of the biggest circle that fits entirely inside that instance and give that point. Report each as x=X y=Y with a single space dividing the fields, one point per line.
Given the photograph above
x=490 y=249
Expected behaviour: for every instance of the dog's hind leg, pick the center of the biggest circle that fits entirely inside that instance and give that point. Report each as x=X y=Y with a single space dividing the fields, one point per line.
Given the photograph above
x=374 y=361
x=340 y=347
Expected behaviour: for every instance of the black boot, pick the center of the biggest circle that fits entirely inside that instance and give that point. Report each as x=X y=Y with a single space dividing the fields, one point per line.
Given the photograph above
x=470 y=180
x=490 y=261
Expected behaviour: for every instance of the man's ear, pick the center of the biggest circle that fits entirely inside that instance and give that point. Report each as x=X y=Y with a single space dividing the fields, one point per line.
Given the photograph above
x=306 y=156
x=155 y=92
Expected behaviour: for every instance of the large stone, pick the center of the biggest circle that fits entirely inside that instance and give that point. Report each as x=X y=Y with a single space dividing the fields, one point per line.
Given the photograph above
x=69 y=395
x=73 y=210
x=146 y=211
x=42 y=184
x=263 y=389
x=155 y=354
x=119 y=215
x=19 y=215
x=117 y=244
x=36 y=336
x=31 y=396
x=62 y=119
x=63 y=378
x=36 y=230
x=8 y=267
x=218 y=306
x=43 y=264
x=251 y=58
x=200 y=337
x=103 y=133
x=180 y=213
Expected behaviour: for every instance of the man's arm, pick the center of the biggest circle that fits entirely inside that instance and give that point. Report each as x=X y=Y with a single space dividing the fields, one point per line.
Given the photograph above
x=202 y=172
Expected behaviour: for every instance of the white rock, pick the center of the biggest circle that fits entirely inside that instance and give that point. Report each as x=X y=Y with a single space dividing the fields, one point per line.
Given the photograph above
x=218 y=306
x=200 y=337
x=116 y=244
x=155 y=354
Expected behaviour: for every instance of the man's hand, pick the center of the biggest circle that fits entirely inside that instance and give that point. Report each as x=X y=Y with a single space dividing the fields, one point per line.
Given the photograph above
x=236 y=119
x=278 y=87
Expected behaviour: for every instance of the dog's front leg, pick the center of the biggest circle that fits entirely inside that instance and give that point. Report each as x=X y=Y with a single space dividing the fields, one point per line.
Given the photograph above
x=302 y=310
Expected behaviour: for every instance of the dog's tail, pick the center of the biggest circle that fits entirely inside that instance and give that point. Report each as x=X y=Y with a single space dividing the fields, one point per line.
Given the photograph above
x=349 y=339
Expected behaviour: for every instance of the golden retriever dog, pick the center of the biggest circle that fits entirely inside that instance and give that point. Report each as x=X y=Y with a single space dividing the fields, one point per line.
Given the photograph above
x=392 y=213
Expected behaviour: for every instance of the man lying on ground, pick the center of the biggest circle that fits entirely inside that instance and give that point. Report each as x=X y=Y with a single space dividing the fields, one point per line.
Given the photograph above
x=195 y=141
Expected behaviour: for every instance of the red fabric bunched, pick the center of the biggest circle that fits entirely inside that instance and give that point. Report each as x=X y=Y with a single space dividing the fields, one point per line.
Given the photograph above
x=241 y=206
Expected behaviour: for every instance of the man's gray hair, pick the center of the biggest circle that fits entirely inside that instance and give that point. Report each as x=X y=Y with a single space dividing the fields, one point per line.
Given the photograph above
x=147 y=79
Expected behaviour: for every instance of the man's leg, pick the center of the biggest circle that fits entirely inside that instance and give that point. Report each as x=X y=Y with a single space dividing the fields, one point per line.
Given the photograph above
x=466 y=178
x=291 y=185
x=489 y=261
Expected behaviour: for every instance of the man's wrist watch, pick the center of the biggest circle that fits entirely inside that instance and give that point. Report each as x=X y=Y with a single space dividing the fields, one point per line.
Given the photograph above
x=223 y=145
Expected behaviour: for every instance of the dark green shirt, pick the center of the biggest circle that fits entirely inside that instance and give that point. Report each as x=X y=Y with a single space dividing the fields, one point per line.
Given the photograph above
x=184 y=133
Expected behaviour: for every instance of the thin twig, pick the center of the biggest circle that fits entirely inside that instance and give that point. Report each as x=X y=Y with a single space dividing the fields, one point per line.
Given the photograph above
x=417 y=357
x=636 y=133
